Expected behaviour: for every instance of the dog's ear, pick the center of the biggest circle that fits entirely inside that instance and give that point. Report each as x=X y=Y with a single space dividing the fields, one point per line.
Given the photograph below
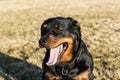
x=75 y=25
x=74 y=22
x=76 y=32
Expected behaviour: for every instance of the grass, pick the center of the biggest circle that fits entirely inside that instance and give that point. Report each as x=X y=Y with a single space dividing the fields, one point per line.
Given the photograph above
x=20 y=55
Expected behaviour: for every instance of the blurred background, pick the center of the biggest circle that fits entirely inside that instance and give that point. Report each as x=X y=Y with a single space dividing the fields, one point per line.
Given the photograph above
x=20 y=20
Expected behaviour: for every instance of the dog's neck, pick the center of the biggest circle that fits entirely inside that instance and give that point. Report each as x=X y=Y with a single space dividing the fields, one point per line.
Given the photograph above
x=74 y=60
x=65 y=69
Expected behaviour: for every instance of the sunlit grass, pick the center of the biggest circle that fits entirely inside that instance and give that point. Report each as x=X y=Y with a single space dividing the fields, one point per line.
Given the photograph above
x=20 y=31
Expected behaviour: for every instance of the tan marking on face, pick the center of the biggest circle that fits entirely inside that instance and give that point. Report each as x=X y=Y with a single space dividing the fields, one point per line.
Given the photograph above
x=73 y=35
x=68 y=53
x=56 y=26
x=45 y=26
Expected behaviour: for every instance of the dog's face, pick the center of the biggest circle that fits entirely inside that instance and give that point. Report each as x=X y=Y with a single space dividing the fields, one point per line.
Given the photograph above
x=60 y=36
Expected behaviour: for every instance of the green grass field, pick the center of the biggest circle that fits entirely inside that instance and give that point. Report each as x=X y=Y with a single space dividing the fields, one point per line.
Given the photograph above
x=20 y=20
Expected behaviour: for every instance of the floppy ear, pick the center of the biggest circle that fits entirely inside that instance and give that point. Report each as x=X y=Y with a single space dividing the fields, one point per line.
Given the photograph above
x=74 y=22
x=76 y=32
x=76 y=26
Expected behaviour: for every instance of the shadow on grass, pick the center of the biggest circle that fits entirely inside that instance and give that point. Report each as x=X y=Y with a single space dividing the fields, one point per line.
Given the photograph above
x=16 y=69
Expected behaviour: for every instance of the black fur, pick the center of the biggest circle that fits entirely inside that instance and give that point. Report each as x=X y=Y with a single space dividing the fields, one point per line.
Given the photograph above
x=81 y=61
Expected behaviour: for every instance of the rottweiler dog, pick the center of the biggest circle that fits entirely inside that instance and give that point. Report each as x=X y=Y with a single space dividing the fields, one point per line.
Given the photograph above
x=67 y=57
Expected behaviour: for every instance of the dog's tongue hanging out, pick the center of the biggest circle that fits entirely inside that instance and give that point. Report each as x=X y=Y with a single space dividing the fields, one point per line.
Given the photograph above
x=54 y=55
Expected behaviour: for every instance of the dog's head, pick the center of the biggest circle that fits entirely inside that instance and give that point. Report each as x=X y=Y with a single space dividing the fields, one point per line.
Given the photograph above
x=61 y=37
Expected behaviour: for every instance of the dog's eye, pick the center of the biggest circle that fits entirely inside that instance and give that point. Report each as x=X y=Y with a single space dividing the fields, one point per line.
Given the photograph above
x=55 y=33
x=43 y=29
x=58 y=27
x=63 y=35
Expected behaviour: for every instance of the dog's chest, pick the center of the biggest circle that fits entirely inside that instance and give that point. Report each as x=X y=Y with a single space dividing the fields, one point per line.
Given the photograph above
x=65 y=73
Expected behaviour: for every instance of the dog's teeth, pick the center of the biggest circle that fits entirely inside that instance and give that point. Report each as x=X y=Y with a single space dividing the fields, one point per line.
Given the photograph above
x=61 y=49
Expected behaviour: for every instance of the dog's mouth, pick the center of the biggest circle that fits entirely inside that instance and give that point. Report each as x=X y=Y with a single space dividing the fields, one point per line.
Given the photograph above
x=56 y=54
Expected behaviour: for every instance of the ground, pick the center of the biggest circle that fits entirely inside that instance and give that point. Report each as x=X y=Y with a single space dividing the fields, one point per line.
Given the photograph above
x=20 y=20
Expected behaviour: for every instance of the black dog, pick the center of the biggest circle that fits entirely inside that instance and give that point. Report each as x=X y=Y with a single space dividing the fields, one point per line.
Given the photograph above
x=67 y=57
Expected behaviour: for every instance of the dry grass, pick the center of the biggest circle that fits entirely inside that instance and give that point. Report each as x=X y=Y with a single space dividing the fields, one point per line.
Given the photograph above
x=20 y=56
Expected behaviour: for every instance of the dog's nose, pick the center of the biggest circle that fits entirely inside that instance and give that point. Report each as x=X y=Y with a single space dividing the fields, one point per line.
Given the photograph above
x=42 y=41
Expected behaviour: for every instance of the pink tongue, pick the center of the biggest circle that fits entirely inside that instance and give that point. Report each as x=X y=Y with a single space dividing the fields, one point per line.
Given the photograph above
x=54 y=54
